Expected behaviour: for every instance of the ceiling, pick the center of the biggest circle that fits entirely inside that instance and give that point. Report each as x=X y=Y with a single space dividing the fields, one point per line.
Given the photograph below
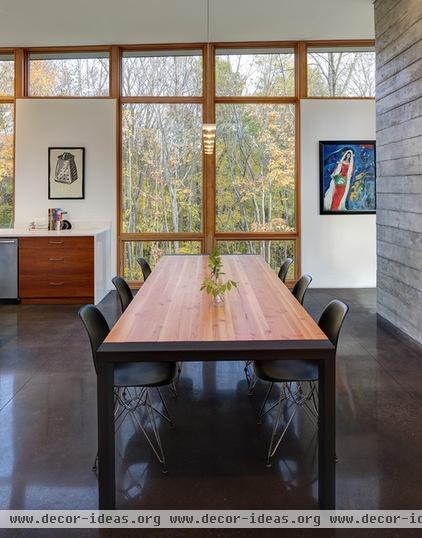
x=91 y=22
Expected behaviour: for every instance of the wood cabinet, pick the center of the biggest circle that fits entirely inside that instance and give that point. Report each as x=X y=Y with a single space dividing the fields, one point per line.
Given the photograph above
x=56 y=270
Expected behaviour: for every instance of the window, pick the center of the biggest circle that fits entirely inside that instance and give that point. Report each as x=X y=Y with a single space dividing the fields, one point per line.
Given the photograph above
x=256 y=153
x=6 y=165
x=162 y=161
x=162 y=73
x=7 y=75
x=255 y=72
x=7 y=172
x=255 y=168
x=274 y=252
x=341 y=72
x=161 y=168
x=69 y=74
x=152 y=252
x=176 y=199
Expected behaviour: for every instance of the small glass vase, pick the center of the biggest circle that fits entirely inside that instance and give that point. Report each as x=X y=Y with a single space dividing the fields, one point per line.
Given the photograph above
x=218 y=300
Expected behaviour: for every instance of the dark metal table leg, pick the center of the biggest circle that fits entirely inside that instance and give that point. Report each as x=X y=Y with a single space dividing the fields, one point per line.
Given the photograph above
x=327 y=433
x=105 y=412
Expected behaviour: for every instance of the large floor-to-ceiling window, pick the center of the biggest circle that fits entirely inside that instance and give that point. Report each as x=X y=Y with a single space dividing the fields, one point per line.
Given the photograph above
x=255 y=173
x=7 y=96
x=174 y=198
x=161 y=155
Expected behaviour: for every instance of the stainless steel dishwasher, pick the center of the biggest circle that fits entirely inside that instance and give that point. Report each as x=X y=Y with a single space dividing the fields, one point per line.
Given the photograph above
x=8 y=269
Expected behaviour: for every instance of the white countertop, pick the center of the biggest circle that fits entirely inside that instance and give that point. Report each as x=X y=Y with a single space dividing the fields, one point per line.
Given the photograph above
x=74 y=232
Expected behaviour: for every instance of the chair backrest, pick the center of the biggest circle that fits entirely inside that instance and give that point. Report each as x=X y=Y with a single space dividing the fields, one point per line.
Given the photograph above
x=332 y=319
x=123 y=291
x=300 y=287
x=97 y=328
x=284 y=269
x=146 y=269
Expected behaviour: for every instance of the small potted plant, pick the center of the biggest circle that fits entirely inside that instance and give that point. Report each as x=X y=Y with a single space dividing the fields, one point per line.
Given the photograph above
x=213 y=284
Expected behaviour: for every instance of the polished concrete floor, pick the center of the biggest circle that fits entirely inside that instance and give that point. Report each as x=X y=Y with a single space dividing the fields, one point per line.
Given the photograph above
x=216 y=452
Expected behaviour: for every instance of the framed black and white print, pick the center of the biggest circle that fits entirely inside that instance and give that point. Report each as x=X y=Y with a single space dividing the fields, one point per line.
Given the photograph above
x=66 y=173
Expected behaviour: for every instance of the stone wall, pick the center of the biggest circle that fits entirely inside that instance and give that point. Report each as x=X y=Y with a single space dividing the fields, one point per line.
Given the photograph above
x=398 y=31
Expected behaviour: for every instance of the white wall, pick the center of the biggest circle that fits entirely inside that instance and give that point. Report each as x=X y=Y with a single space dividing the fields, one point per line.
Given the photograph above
x=337 y=250
x=93 y=22
x=90 y=123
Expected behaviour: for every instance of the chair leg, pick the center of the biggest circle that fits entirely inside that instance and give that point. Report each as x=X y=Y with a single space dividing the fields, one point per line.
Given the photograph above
x=246 y=370
x=126 y=404
x=275 y=428
x=261 y=413
x=167 y=415
x=157 y=447
x=161 y=457
x=273 y=449
x=299 y=400
x=251 y=379
x=253 y=383
x=174 y=389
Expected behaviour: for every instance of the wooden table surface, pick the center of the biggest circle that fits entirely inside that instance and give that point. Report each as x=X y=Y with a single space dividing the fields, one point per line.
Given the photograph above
x=170 y=307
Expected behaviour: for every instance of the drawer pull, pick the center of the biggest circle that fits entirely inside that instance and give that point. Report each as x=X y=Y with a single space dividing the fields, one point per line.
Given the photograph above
x=55 y=283
x=56 y=242
x=56 y=259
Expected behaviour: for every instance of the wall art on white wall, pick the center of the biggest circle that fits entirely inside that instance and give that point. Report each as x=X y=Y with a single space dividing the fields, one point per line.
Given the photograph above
x=66 y=170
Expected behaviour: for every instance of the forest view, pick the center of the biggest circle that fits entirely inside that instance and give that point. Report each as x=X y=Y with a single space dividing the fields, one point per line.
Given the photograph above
x=6 y=140
x=162 y=172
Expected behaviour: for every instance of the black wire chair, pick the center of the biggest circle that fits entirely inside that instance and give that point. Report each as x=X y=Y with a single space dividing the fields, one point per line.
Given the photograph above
x=133 y=383
x=303 y=374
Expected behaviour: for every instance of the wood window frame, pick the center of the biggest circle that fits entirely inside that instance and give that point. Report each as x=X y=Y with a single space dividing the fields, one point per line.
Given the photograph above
x=56 y=50
x=11 y=100
x=123 y=237
x=286 y=100
x=358 y=43
x=208 y=236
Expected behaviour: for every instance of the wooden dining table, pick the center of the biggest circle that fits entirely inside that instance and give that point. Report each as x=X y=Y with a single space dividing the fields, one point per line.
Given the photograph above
x=170 y=319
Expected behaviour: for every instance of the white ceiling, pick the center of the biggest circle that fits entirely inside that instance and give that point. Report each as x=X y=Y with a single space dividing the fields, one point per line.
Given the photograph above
x=91 y=22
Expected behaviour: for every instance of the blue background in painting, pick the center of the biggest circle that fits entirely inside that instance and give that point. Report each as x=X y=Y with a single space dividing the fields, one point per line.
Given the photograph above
x=362 y=199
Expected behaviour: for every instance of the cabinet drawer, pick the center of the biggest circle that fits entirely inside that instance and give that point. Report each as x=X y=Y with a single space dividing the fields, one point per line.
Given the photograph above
x=56 y=243
x=53 y=285
x=38 y=262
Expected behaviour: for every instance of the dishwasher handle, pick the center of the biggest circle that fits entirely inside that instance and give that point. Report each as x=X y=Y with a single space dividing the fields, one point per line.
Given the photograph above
x=7 y=241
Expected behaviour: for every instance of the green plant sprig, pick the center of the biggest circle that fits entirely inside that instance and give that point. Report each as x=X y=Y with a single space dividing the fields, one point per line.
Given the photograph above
x=213 y=284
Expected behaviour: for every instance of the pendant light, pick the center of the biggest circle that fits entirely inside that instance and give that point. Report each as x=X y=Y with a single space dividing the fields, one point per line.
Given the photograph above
x=208 y=129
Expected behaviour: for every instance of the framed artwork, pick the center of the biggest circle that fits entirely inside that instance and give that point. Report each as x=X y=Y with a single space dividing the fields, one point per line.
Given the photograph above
x=347 y=179
x=66 y=171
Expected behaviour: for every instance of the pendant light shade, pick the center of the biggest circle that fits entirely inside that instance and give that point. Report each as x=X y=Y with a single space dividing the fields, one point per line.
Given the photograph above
x=208 y=137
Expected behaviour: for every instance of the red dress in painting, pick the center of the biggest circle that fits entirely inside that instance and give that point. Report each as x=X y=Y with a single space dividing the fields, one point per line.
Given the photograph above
x=340 y=181
x=336 y=195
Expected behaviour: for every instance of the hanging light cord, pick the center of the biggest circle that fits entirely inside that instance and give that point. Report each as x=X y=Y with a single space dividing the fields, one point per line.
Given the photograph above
x=208 y=21
x=208 y=129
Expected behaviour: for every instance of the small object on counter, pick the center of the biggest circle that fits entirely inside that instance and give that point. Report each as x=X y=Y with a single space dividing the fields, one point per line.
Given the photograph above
x=55 y=218
x=66 y=225
x=57 y=224
x=34 y=225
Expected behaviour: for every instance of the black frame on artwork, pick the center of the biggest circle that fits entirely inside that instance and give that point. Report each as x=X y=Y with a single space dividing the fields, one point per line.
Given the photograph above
x=322 y=144
x=67 y=148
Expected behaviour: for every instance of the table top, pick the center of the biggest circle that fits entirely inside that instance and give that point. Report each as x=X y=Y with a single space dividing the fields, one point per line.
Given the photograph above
x=170 y=307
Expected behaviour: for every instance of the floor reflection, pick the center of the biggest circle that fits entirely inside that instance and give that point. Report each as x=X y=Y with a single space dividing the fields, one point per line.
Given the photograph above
x=216 y=452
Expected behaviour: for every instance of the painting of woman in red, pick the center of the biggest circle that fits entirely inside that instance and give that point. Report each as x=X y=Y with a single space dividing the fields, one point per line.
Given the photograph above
x=336 y=194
